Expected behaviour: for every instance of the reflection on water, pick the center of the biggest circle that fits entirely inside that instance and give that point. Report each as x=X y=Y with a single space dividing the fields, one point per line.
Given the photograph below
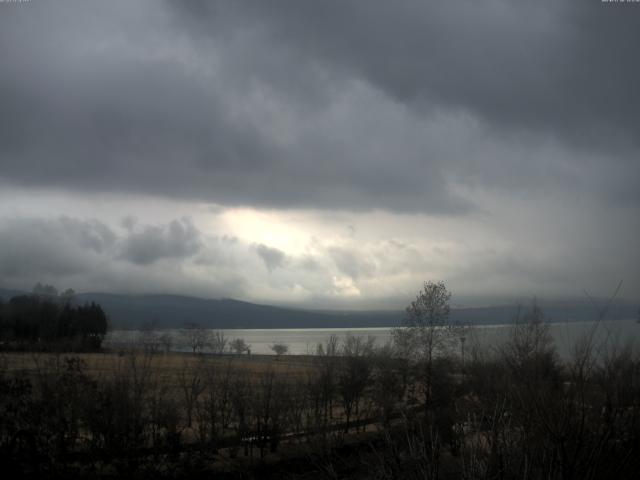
x=302 y=341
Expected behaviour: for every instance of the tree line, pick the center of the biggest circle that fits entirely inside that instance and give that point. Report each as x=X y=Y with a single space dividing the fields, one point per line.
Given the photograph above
x=45 y=320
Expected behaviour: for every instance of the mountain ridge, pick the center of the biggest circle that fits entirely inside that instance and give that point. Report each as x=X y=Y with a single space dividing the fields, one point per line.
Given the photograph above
x=133 y=311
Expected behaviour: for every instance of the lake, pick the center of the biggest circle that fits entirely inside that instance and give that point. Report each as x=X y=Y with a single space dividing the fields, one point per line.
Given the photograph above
x=303 y=341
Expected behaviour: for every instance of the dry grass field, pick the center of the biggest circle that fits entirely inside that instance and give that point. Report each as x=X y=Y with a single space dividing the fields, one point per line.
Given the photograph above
x=167 y=366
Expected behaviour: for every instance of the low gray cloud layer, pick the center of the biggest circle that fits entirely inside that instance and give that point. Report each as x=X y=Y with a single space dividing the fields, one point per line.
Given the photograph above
x=65 y=246
x=91 y=255
x=349 y=270
x=145 y=245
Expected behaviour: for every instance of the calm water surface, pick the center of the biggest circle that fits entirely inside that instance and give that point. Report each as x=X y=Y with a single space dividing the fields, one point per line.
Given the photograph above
x=302 y=341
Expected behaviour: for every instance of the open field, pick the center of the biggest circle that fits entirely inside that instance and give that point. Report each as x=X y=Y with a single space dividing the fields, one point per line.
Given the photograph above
x=169 y=364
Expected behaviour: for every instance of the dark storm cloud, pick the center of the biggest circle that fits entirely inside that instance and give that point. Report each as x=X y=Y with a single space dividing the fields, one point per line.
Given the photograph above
x=333 y=104
x=177 y=240
x=564 y=67
x=40 y=248
x=272 y=257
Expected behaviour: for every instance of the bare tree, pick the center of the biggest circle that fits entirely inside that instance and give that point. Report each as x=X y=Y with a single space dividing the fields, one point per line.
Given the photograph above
x=388 y=384
x=196 y=337
x=166 y=340
x=354 y=374
x=148 y=338
x=215 y=411
x=530 y=339
x=427 y=331
x=241 y=402
x=323 y=384
x=269 y=408
x=218 y=342
x=279 y=348
x=191 y=384
x=328 y=349
x=239 y=346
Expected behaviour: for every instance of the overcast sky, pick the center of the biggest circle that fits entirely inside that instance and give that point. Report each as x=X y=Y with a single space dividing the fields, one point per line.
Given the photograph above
x=325 y=154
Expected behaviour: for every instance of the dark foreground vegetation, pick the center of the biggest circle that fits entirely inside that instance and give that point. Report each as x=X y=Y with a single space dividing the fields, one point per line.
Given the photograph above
x=413 y=409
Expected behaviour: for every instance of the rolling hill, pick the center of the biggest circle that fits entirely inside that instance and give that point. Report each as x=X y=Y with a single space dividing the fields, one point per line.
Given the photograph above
x=174 y=311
